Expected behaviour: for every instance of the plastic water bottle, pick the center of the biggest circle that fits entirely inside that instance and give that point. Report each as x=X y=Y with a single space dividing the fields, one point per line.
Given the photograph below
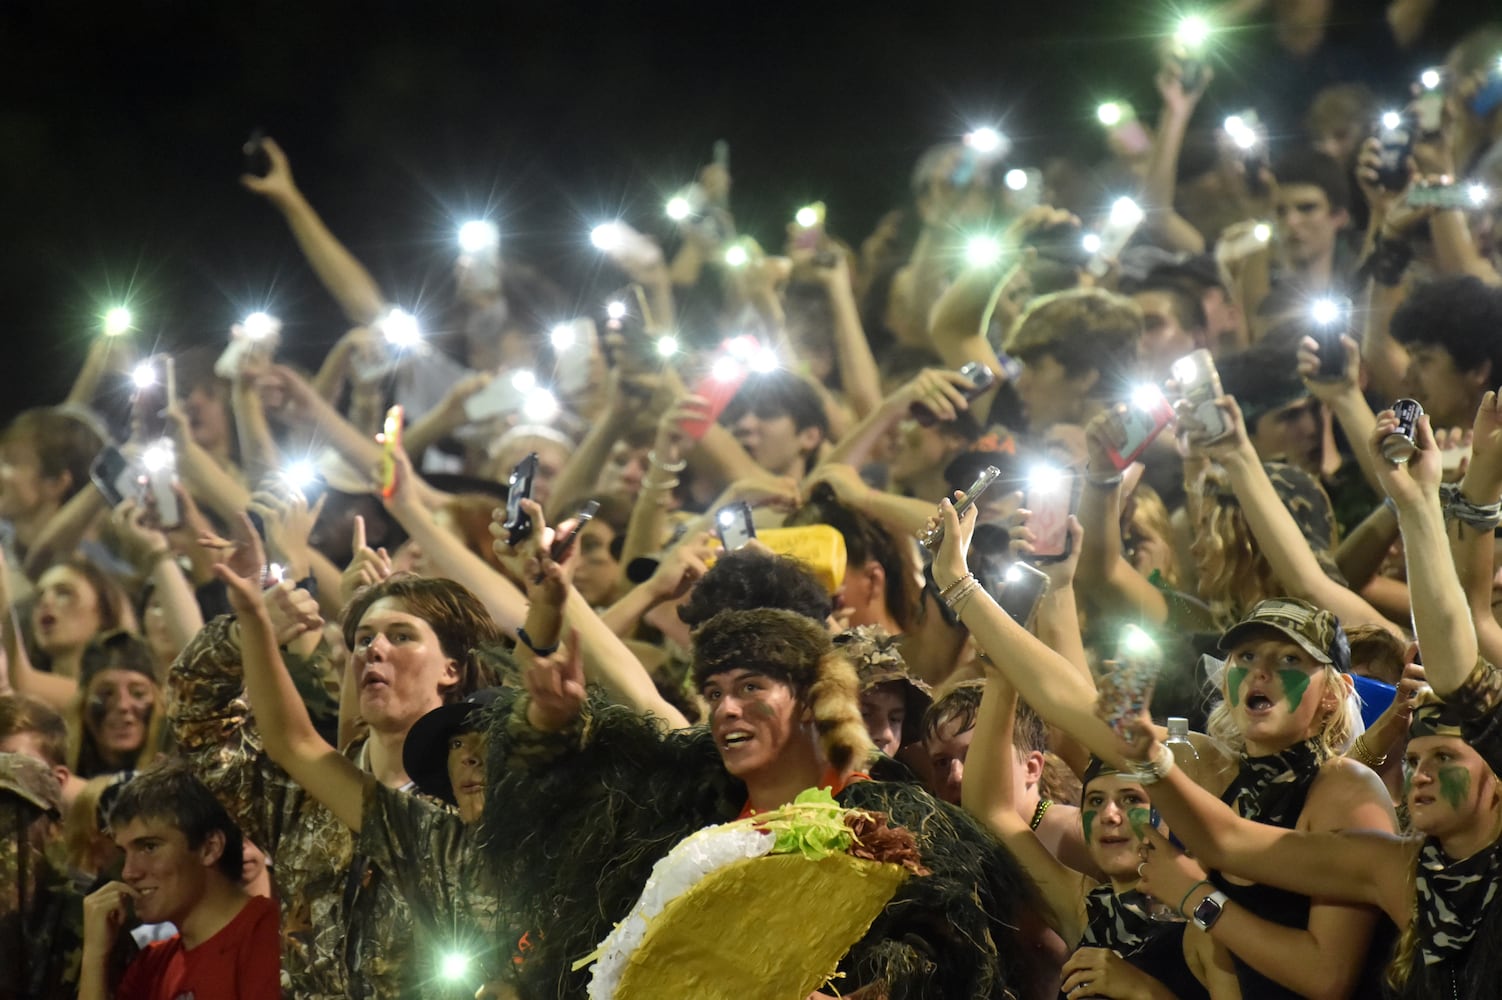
x=1178 y=742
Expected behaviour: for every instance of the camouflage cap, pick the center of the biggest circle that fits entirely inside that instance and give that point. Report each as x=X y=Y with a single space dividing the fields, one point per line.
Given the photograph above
x=1432 y=717
x=877 y=660
x=30 y=779
x=1317 y=632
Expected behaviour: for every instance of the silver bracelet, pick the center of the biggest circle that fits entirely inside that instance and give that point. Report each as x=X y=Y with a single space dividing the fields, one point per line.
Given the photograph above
x=677 y=466
x=1483 y=517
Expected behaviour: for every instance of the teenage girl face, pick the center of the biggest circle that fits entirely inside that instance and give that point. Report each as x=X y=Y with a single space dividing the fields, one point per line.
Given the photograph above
x=1449 y=787
x=1276 y=691
x=1115 y=813
x=68 y=611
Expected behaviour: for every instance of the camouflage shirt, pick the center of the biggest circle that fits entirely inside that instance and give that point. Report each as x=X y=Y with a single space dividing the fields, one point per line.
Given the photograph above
x=346 y=931
x=41 y=913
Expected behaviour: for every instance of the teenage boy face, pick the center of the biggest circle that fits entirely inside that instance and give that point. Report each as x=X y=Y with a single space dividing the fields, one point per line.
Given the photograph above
x=1446 y=392
x=169 y=876
x=1294 y=433
x=1307 y=225
x=774 y=441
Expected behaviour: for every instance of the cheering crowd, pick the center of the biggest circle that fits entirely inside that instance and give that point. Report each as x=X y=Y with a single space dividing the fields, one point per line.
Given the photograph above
x=1084 y=583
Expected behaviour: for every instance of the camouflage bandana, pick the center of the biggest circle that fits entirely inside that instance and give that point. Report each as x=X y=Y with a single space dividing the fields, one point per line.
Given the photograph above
x=1453 y=897
x=1317 y=632
x=1098 y=768
x=877 y=660
x=1432 y=717
x=1119 y=921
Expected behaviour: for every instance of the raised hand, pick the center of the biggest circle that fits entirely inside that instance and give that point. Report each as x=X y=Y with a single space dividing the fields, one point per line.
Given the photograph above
x=366 y=568
x=1327 y=390
x=555 y=684
x=1483 y=478
x=682 y=567
x=104 y=913
x=277 y=186
x=950 y=565
x=1410 y=483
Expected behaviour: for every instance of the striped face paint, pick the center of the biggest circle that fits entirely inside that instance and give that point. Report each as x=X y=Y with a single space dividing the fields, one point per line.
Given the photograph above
x=1087 y=817
x=1235 y=679
x=1295 y=683
x=1454 y=784
x=1141 y=820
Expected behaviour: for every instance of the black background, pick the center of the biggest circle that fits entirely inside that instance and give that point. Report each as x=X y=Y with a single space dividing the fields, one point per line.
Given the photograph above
x=120 y=128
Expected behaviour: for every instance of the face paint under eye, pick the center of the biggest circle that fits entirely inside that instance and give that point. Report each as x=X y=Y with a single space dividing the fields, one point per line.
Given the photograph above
x=1454 y=784
x=1141 y=819
x=1087 y=817
x=1295 y=683
x=764 y=709
x=1235 y=678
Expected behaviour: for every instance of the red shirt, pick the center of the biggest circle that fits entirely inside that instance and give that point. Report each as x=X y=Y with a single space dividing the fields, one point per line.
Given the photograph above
x=241 y=962
x=832 y=780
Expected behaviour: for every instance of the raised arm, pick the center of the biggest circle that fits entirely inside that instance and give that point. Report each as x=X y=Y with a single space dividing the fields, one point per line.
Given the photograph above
x=987 y=794
x=857 y=366
x=941 y=391
x=286 y=730
x=1103 y=575
x=1472 y=546
x=345 y=277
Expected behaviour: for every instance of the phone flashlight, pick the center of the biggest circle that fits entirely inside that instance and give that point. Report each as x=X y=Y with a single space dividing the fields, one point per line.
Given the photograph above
x=1146 y=397
x=679 y=208
x=143 y=375
x=454 y=965
x=1015 y=180
x=725 y=369
x=808 y=216
x=982 y=251
x=1045 y=479
x=1192 y=32
x=1478 y=194
x=667 y=346
x=1137 y=644
x=1242 y=132
x=561 y=337
x=400 y=329
x=1431 y=78
x=1262 y=232
x=259 y=325
x=117 y=321
x=615 y=309
x=984 y=140
x=1090 y=243
x=1125 y=212
x=157 y=457
x=607 y=237
x=736 y=255
x=540 y=406
x=300 y=474
x=1110 y=114
x=478 y=236
x=1324 y=311
x=1391 y=119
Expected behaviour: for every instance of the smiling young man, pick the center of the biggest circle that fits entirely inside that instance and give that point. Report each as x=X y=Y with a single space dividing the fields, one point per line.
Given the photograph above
x=182 y=866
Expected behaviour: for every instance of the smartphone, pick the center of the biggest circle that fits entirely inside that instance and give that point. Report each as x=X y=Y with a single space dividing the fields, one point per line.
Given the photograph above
x=563 y=544
x=1051 y=497
x=1329 y=320
x=1126 y=691
x=1396 y=131
x=625 y=314
x=717 y=387
x=1022 y=589
x=1199 y=383
x=1024 y=189
x=1248 y=134
x=503 y=395
x=1463 y=197
x=720 y=154
x=808 y=227
x=1144 y=418
x=1121 y=223
x=114 y=475
x=391 y=440
x=931 y=540
x=981 y=377
x=1429 y=104
x=152 y=398
x=258 y=334
x=735 y=525
x=518 y=523
x=257 y=162
x=159 y=463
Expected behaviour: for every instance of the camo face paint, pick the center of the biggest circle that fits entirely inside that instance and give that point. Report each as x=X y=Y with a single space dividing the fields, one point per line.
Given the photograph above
x=1295 y=683
x=1141 y=820
x=1087 y=817
x=1235 y=678
x=1454 y=784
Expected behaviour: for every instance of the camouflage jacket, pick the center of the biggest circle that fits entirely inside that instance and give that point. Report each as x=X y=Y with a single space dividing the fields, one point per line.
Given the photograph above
x=41 y=913
x=346 y=931
x=431 y=855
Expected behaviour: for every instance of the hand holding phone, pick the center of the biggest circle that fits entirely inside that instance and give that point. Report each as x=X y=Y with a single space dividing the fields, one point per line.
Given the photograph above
x=735 y=525
x=391 y=441
x=1126 y=690
x=518 y=523
x=1198 y=381
x=1138 y=423
x=1022 y=589
x=115 y=476
x=563 y=544
x=1052 y=495
x=1329 y=321
x=933 y=537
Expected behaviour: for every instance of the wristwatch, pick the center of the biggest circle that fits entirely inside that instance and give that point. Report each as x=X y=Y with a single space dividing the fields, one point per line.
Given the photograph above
x=1208 y=910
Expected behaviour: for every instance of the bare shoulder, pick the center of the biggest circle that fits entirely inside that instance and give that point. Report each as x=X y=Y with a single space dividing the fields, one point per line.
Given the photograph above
x=1348 y=795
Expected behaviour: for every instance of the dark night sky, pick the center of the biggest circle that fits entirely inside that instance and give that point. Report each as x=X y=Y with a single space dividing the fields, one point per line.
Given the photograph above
x=120 y=126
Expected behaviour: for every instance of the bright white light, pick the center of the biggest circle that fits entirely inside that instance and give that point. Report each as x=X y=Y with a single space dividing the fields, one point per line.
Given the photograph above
x=259 y=325
x=727 y=517
x=725 y=369
x=1262 y=232
x=1137 y=642
x=1193 y=31
x=540 y=407
x=984 y=140
x=117 y=321
x=608 y=236
x=807 y=217
x=1391 y=119
x=982 y=251
x=1090 y=242
x=1146 y=397
x=736 y=256
x=1125 y=212
x=562 y=337
x=1242 y=134
x=1045 y=479
x=1013 y=574
x=400 y=329
x=1109 y=113
x=524 y=380
x=478 y=235
x=764 y=360
x=300 y=474
x=679 y=209
x=275 y=573
x=1430 y=79
x=144 y=375
x=454 y=965
x=157 y=456
x=615 y=310
x=667 y=346
x=1478 y=194
x=1184 y=370
x=1324 y=311
x=1015 y=180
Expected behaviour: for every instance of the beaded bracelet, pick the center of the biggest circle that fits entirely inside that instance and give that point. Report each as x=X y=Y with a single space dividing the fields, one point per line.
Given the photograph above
x=956 y=600
x=677 y=466
x=944 y=594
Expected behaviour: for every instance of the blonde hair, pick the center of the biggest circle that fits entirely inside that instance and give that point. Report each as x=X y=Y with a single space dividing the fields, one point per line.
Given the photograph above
x=1233 y=574
x=1335 y=732
x=81 y=833
x=1147 y=518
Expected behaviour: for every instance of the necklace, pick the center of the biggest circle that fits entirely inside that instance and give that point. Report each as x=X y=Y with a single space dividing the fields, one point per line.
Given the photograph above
x=1043 y=805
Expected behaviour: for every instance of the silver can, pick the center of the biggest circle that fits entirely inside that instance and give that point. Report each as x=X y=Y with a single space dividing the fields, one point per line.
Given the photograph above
x=1399 y=446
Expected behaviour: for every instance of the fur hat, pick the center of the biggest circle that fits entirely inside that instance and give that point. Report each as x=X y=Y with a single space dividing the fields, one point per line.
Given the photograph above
x=794 y=649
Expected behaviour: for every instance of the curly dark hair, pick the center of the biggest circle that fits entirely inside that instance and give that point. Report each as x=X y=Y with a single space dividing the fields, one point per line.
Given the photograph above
x=747 y=580
x=1461 y=314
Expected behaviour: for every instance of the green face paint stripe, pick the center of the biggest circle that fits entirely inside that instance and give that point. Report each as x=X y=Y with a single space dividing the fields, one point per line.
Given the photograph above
x=1087 y=817
x=1295 y=683
x=1235 y=677
x=1141 y=819
x=1454 y=784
